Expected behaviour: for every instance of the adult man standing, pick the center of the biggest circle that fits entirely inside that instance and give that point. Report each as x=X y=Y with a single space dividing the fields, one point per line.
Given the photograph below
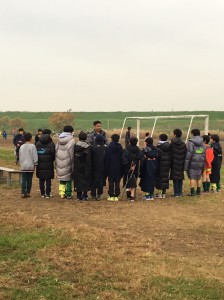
x=97 y=130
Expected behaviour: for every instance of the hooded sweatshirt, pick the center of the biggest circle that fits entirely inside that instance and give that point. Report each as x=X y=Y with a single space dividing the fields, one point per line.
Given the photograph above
x=65 y=156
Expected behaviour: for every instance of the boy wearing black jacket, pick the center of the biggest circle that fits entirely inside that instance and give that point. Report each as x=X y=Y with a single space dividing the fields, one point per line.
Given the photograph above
x=45 y=168
x=113 y=167
x=98 y=152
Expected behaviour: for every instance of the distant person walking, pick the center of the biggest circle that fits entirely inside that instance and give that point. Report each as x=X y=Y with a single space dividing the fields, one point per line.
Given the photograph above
x=18 y=141
x=127 y=137
x=4 y=135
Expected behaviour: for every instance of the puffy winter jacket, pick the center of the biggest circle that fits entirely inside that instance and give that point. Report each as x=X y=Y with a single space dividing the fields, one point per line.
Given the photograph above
x=195 y=157
x=178 y=151
x=65 y=156
x=46 y=156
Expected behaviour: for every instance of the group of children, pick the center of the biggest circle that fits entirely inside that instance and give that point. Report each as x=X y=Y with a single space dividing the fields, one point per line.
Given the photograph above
x=92 y=160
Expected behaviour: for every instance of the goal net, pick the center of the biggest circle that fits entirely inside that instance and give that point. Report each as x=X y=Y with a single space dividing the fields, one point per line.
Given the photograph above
x=154 y=120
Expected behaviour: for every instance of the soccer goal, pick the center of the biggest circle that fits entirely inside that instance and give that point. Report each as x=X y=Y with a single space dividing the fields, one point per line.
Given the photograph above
x=156 y=118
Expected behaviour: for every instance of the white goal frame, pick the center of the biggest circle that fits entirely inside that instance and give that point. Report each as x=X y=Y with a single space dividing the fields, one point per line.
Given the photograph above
x=191 y=117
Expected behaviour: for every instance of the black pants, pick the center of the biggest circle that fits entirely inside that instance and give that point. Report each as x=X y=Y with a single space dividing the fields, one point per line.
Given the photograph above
x=177 y=186
x=44 y=191
x=82 y=195
x=114 y=186
x=96 y=190
x=26 y=182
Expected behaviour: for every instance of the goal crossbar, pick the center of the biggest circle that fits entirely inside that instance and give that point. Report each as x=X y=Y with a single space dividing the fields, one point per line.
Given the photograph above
x=191 y=117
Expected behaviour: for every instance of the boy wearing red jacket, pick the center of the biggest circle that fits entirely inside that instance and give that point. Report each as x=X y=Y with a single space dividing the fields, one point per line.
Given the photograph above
x=209 y=156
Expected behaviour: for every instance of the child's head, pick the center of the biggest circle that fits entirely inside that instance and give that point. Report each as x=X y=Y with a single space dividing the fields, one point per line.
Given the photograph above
x=115 y=137
x=27 y=137
x=133 y=141
x=68 y=128
x=177 y=132
x=39 y=131
x=206 y=139
x=129 y=128
x=47 y=131
x=21 y=131
x=97 y=126
x=214 y=138
x=99 y=138
x=195 y=132
x=149 y=141
x=163 y=137
x=82 y=136
x=147 y=134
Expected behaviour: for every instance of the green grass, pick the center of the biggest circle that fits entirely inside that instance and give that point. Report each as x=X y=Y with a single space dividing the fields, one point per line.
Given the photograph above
x=111 y=120
x=7 y=155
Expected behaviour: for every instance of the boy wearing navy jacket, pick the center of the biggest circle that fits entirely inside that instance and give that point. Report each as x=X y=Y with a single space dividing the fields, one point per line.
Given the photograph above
x=113 y=167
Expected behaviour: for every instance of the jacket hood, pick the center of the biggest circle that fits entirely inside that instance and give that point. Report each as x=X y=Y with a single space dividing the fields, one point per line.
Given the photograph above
x=82 y=144
x=197 y=140
x=177 y=140
x=133 y=149
x=64 y=138
x=165 y=146
x=115 y=146
x=45 y=139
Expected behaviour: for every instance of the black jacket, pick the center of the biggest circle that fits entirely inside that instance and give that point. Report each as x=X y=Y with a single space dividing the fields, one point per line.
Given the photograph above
x=98 y=153
x=130 y=158
x=149 y=167
x=162 y=178
x=82 y=166
x=178 y=151
x=216 y=163
x=18 y=140
x=46 y=156
x=113 y=161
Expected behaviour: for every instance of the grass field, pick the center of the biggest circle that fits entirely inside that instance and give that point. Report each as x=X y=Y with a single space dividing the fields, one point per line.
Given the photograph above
x=111 y=120
x=64 y=249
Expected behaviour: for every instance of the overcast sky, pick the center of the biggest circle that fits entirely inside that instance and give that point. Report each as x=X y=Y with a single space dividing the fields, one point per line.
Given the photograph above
x=117 y=55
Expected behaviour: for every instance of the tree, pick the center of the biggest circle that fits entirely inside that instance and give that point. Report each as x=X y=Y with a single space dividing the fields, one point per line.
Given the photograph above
x=17 y=123
x=59 y=120
x=5 y=122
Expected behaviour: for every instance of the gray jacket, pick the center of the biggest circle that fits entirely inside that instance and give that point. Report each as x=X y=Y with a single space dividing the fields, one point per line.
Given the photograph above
x=92 y=136
x=28 y=157
x=195 y=156
x=65 y=156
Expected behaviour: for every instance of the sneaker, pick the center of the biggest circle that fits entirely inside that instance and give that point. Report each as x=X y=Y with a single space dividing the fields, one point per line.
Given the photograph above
x=62 y=196
x=149 y=198
x=218 y=190
x=47 y=196
x=160 y=196
x=132 y=198
x=28 y=195
x=110 y=198
x=99 y=197
x=163 y=196
x=24 y=195
x=68 y=197
x=191 y=194
x=42 y=196
x=116 y=199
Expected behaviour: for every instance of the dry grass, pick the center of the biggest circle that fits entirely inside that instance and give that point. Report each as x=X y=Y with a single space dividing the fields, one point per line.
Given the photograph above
x=59 y=249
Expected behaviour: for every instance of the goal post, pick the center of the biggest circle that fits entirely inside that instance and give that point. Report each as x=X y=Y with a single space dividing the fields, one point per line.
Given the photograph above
x=156 y=118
